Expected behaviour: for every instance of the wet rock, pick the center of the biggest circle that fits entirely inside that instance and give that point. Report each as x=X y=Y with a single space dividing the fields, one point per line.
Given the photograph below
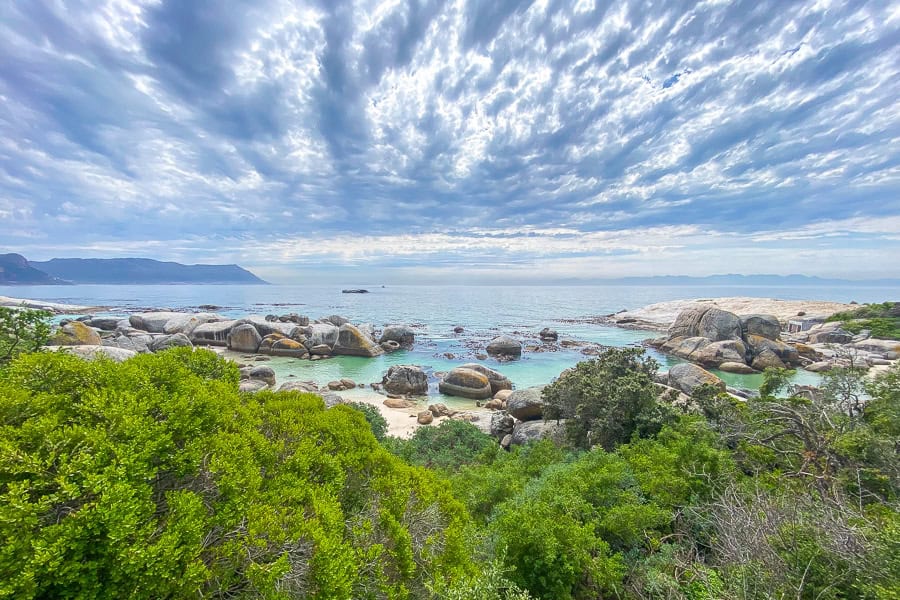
x=498 y=380
x=504 y=346
x=405 y=380
x=466 y=383
x=389 y=346
x=548 y=335
x=402 y=334
x=320 y=351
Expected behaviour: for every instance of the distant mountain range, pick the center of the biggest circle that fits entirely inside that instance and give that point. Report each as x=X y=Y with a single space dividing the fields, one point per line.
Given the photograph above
x=16 y=270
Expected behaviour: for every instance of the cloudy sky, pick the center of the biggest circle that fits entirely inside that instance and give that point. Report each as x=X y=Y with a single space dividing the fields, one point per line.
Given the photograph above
x=457 y=140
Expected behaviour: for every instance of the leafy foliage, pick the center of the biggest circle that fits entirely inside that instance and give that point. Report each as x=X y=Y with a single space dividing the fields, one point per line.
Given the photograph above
x=377 y=423
x=448 y=446
x=22 y=330
x=882 y=320
x=608 y=399
x=156 y=478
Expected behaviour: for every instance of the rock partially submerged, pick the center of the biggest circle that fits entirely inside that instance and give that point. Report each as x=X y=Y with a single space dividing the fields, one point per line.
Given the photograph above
x=466 y=383
x=405 y=380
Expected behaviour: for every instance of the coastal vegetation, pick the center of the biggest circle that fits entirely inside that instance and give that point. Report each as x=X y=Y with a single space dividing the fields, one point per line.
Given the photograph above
x=881 y=320
x=155 y=477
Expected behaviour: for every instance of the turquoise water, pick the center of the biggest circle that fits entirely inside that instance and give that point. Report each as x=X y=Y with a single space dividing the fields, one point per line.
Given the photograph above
x=483 y=311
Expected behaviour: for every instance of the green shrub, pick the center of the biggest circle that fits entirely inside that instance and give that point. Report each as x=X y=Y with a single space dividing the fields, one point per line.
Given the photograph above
x=22 y=330
x=448 y=446
x=155 y=478
x=608 y=399
x=377 y=423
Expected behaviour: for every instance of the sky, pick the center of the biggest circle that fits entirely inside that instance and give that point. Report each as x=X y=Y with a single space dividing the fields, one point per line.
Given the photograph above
x=455 y=141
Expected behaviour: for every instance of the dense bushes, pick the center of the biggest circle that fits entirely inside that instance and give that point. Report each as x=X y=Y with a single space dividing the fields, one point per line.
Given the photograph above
x=608 y=399
x=155 y=478
x=22 y=330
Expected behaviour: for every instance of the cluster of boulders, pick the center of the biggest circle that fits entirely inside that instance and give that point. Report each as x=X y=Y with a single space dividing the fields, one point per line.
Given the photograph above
x=522 y=419
x=289 y=335
x=713 y=337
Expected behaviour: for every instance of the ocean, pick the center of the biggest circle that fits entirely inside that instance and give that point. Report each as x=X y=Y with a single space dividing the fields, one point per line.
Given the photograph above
x=483 y=311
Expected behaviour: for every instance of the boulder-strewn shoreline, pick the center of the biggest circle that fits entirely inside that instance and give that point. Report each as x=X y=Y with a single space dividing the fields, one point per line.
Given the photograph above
x=746 y=335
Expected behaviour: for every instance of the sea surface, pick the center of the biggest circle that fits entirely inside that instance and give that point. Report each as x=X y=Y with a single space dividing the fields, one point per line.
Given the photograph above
x=483 y=311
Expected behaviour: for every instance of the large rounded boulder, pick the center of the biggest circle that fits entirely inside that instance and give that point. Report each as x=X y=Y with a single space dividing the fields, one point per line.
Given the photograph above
x=466 y=383
x=164 y=342
x=505 y=347
x=538 y=430
x=527 y=404
x=405 y=380
x=767 y=326
x=402 y=334
x=76 y=333
x=353 y=342
x=321 y=334
x=718 y=325
x=212 y=334
x=687 y=377
x=707 y=322
x=244 y=338
x=498 y=380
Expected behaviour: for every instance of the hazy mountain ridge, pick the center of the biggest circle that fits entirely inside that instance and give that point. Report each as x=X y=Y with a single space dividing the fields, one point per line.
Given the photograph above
x=17 y=270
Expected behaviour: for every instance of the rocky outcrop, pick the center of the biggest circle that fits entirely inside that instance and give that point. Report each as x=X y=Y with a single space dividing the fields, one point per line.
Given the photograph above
x=538 y=430
x=263 y=373
x=711 y=337
x=498 y=380
x=466 y=383
x=265 y=327
x=405 y=380
x=212 y=334
x=526 y=404
x=76 y=333
x=164 y=342
x=766 y=326
x=548 y=335
x=244 y=338
x=94 y=352
x=299 y=386
x=186 y=323
x=687 y=377
x=502 y=424
x=153 y=322
x=321 y=334
x=402 y=334
x=352 y=342
x=504 y=347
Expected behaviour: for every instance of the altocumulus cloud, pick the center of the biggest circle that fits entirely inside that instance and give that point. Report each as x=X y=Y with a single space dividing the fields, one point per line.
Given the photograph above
x=472 y=138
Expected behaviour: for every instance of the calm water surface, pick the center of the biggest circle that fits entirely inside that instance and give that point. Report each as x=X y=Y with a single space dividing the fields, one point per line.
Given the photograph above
x=484 y=312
